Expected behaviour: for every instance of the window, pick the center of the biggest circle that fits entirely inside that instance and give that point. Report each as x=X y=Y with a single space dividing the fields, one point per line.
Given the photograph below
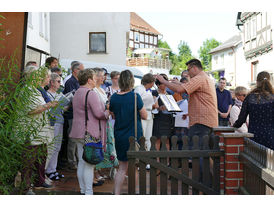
x=222 y=59
x=136 y=36
x=130 y=43
x=41 y=24
x=155 y=40
x=97 y=42
x=46 y=26
x=247 y=31
x=136 y=46
x=151 y=39
x=146 y=38
x=131 y=34
x=30 y=19
x=142 y=38
x=254 y=29
x=142 y=46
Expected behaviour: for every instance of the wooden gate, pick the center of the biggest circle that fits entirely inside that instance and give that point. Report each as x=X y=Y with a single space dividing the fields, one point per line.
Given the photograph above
x=170 y=170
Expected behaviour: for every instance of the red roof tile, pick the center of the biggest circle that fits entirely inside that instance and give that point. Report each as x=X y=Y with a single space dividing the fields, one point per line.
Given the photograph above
x=137 y=23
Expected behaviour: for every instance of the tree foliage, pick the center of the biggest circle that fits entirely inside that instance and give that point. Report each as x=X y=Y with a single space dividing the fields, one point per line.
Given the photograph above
x=204 y=50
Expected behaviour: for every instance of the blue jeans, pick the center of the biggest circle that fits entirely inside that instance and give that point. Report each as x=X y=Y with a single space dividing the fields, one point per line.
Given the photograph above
x=180 y=132
x=200 y=130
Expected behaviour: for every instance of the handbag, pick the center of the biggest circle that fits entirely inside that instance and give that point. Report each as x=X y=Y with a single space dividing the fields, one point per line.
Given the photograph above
x=93 y=148
x=137 y=146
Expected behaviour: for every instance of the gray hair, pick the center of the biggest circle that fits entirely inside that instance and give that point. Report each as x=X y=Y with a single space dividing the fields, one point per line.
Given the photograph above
x=54 y=76
x=75 y=66
x=239 y=90
x=74 y=62
x=98 y=70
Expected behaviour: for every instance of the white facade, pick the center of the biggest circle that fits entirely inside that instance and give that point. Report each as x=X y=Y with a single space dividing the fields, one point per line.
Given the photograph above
x=70 y=31
x=232 y=61
x=257 y=37
x=38 y=37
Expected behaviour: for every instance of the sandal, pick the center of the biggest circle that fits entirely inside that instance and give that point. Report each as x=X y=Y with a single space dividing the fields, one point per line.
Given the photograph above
x=59 y=175
x=52 y=176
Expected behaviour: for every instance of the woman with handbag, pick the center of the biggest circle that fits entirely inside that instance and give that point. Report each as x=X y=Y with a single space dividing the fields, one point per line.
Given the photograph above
x=88 y=111
x=122 y=106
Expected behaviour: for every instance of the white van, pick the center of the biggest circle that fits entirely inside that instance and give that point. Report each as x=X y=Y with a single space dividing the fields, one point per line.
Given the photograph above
x=138 y=74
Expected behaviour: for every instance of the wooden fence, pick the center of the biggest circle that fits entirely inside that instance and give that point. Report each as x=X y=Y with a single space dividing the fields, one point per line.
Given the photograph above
x=170 y=171
x=258 y=169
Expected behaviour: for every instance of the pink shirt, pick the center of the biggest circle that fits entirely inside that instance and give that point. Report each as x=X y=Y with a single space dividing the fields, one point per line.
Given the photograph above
x=96 y=112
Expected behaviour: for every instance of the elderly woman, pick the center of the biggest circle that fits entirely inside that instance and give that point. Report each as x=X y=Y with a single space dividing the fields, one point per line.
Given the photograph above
x=36 y=154
x=110 y=159
x=97 y=114
x=122 y=107
x=240 y=94
x=259 y=104
x=57 y=121
x=144 y=91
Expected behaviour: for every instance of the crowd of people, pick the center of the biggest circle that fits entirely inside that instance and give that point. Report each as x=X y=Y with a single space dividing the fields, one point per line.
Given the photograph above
x=111 y=118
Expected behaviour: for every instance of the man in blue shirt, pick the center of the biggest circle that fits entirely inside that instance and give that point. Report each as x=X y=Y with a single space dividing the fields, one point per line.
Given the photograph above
x=224 y=100
x=70 y=85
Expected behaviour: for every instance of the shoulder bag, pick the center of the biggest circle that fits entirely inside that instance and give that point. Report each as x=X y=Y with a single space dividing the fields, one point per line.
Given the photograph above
x=93 y=148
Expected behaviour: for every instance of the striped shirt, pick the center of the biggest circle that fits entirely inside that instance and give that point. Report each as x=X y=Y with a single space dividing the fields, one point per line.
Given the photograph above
x=202 y=107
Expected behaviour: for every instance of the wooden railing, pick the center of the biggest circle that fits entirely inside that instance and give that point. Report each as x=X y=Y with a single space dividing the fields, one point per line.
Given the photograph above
x=170 y=171
x=258 y=169
x=149 y=62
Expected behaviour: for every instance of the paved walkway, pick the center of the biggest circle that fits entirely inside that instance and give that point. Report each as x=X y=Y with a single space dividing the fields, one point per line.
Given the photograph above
x=69 y=186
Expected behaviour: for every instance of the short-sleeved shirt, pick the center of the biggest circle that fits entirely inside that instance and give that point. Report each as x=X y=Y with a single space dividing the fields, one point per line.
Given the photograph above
x=122 y=105
x=224 y=99
x=202 y=105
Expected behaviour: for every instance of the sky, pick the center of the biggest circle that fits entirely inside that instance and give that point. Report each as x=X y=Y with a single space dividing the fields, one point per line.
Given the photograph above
x=192 y=27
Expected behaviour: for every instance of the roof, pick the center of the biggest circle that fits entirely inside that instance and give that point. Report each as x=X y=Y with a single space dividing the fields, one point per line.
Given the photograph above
x=137 y=23
x=232 y=42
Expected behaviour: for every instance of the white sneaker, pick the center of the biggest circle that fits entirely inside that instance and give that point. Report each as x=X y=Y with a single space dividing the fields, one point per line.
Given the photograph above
x=48 y=181
x=148 y=167
x=30 y=192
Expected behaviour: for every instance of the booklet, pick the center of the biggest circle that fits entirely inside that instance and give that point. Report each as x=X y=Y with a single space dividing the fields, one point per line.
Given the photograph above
x=170 y=103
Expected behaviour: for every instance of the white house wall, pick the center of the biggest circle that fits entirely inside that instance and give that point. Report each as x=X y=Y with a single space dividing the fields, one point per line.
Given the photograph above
x=70 y=35
x=38 y=31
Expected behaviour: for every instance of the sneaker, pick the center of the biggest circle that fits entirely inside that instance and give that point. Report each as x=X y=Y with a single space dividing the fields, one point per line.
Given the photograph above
x=44 y=185
x=48 y=181
x=148 y=167
x=30 y=192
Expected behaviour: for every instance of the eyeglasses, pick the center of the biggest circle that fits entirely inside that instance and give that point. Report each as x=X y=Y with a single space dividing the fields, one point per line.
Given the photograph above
x=244 y=95
x=189 y=68
x=59 y=81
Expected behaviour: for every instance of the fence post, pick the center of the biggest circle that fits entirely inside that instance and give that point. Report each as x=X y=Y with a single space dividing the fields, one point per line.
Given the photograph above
x=218 y=131
x=233 y=145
